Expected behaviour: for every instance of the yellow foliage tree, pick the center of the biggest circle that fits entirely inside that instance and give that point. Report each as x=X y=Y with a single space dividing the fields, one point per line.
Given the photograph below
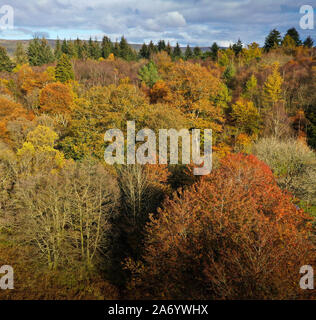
x=38 y=152
x=246 y=117
x=272 y=88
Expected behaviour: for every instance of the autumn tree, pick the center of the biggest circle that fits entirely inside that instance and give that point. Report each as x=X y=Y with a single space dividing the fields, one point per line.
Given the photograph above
x=251 y=90
x=67 y=220
x=294 y=35
x=56 y=98
x=233 y=235
x=288 y=44
x=293 y=164
x=142 y=189
x=11 y=110
x=272 y=89
x=246 y=117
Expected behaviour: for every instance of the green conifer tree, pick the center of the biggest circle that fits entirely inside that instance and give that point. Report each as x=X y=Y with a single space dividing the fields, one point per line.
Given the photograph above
x=64 y=70
x=5 y=62
x=272 y=40
x=188 y=53
x=19 y=54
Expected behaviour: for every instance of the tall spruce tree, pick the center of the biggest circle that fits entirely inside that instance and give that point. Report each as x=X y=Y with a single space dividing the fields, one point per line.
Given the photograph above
x=149 y=74
x=309 y=43
x=169 y=49
x=161 y=46
x=177 y=53
x=152 y=49
x=272 y=40
x=71 y=49
x=64 y=47
x=5 y=62
x=214 y=51
x=39 y=52
x=106 y=47
x=237 y=47
x=197 y=52
x=57 y=51
x=78 y=48
x=64 y=70
x=19 y=54
x=125 y=51
x=144 y=52
x=294 y=35
x=188 y=53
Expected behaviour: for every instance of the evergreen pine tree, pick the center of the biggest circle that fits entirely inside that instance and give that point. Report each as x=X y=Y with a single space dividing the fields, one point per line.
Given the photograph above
x=177 y=53
x=84 y=51
x=19 y=54
x=237 y=47
x=151 y=49
x=188 y=53
x=39 y=52
x=116 y=49
x=57 y=52
x=272 y=40
x=125 y=51
x=97 y=50
x=71 y=49
x=149 y=74
x=214 y=51
x=78 y=48
x=64 y=47
x=106 y=47
x=169 y=49
x=47 y=55
x=161 y=45
x=309 y=43
x=144 y=52
x=5 y=62
x=197 y=52
x=294 y=35
x=64 y=70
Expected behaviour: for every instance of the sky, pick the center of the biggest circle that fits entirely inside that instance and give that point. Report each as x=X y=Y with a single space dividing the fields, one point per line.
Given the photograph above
x=193 y=22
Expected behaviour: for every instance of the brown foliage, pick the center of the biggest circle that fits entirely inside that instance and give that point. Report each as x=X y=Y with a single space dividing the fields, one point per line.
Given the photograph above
x=56 y=98
x=10 y=110
x=234 y=235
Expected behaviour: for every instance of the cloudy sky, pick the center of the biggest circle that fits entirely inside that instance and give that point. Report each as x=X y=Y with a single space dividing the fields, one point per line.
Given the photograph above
x=194 y=22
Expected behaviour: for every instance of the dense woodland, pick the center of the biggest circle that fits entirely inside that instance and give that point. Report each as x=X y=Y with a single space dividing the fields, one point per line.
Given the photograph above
x=74 y=227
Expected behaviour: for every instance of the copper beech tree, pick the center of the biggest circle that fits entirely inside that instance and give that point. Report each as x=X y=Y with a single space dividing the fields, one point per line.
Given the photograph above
x=233 y=235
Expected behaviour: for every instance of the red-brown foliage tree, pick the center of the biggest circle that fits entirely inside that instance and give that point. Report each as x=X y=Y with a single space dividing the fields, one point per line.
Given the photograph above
x=56 y=98
x=233 y=235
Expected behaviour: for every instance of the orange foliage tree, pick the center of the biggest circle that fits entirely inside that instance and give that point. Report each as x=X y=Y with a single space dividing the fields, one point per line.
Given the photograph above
x=10 y=110
x=233 y=235
x=56 y=98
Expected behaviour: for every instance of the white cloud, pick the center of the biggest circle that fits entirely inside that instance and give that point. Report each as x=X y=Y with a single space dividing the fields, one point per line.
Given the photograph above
x=197 y=22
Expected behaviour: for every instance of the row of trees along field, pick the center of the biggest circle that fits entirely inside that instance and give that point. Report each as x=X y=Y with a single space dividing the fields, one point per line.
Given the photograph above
x=74 y=227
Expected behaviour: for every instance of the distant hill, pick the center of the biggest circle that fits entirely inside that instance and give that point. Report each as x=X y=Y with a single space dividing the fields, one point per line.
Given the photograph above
x=10 y=45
